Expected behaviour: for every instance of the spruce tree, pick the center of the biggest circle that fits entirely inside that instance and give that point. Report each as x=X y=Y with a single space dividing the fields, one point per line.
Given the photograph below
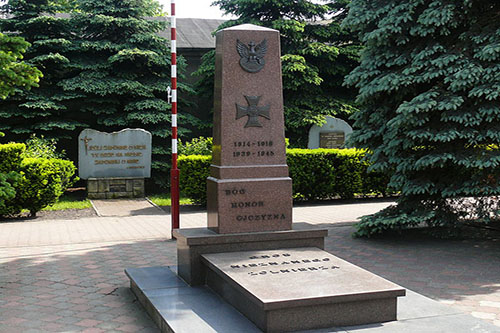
x=430 y=113
x=41 y=110
x=316 y=51
x=123 y=71
x=14 y=73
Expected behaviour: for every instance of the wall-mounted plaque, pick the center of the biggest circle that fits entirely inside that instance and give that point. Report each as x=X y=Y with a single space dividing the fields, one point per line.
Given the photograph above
x=331 y=140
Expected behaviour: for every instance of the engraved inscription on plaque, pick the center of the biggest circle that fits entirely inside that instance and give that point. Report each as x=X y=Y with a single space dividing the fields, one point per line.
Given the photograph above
x=239 y=203
x=253 y=111
x=331 y=140
x=257 y=148
x=283 y=263
x=252 y=56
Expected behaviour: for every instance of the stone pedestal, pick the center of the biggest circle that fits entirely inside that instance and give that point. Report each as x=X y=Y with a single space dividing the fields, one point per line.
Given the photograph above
x=193 y=242
x=114 y=188
x=246 y=205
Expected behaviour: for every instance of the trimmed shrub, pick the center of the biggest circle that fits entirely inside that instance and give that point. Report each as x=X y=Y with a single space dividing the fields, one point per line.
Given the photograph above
x=194 y=170
x=11 y=155
x=31 y=183
x=317 y=174
x=43 y=182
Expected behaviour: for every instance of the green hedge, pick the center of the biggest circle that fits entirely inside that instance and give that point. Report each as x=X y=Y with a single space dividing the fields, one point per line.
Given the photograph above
x=317 y=174
x=194 y=170
x=31 y=183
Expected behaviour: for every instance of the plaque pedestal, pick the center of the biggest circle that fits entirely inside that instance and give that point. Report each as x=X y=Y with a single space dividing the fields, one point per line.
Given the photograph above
x=114 y=188
x=194 y=242
x=249 y=205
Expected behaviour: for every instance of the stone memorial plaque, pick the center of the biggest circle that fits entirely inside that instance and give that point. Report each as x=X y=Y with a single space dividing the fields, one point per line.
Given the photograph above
x=126 y=154
x=272 y=283
x=333 y=134
x=331 y=140
x=248 y=188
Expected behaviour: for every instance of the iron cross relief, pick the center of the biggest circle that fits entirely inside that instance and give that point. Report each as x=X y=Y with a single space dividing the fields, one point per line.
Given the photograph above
x=253 y=111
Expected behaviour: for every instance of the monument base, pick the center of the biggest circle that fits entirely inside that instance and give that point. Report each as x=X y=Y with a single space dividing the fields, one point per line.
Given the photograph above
x=300 y=289
x=249 y=205
x=176 y=307
x=114 y=188
x=193 y=242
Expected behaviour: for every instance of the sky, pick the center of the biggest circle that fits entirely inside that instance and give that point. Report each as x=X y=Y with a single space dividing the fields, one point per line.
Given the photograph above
x=194 y=9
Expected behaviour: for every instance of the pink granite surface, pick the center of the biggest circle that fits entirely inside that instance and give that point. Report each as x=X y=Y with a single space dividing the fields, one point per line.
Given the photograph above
x=249 y=153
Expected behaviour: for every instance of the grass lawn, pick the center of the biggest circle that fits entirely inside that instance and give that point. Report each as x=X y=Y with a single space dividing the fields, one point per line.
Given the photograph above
x=164 y=200
x=70 y=201
x=77 y=200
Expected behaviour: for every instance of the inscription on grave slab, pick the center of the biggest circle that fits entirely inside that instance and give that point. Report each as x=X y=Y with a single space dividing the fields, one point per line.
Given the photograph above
x=281 y=275
x=300 y=288
x=126 y=153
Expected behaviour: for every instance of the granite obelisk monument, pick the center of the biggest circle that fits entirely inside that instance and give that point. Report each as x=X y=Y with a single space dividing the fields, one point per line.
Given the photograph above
x=248 y=188
x=273 y=272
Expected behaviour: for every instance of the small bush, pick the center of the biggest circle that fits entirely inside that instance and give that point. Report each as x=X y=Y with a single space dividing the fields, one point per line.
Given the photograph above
x=197 y=146
x=42 y=147
x=44 y=181
x=11 y=155
x=316 y=174
x=31 y=182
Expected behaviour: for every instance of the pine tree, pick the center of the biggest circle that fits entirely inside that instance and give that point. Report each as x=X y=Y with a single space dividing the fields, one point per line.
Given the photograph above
x=429 y=94
x=41 y=110
x=317 y=53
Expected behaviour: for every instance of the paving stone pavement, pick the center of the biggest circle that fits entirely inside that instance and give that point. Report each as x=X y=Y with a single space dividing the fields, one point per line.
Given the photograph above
x=78 y=284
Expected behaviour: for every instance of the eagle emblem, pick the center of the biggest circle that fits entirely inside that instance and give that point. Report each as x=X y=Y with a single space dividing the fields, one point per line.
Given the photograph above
x=252 y=56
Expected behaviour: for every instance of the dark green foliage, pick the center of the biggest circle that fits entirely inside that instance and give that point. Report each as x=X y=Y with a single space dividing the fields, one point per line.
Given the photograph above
x=13 y=72
x=44 y=110
x=31 y=183
x=316 y=55
x=194 y=170
x=123 y=71
x=429 y=97
x=317 y=174
x=105 y=67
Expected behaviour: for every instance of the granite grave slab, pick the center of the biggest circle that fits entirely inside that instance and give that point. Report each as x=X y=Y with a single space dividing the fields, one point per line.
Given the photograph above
x=301 y=288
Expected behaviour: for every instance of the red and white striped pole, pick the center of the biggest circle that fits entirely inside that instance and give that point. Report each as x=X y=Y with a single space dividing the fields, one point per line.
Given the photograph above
x=174 y=172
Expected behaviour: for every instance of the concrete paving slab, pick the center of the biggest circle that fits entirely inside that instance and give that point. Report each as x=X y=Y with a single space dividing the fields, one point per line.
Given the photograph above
x=125 y=207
